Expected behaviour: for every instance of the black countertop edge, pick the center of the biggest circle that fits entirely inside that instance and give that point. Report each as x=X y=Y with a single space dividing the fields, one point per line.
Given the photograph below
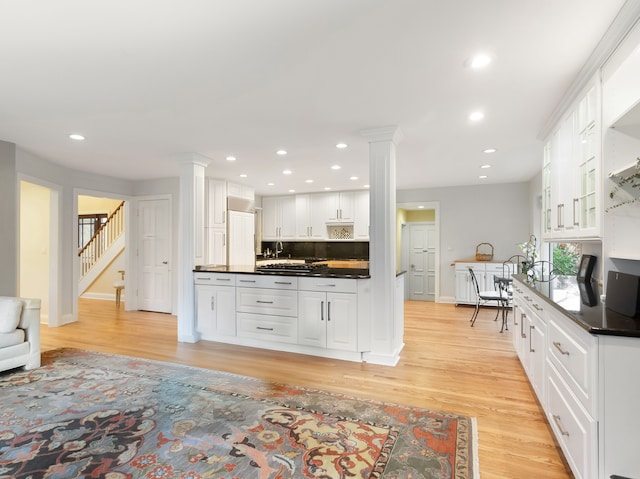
x=594 y=319
x=350 y=273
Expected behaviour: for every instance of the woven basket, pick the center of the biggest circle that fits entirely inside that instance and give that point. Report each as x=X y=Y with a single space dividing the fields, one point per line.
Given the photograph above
x=484 y=256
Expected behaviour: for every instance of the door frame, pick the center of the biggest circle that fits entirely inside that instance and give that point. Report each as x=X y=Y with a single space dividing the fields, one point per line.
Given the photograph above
x=128 y=242
x=405 y=243
x=55 y=246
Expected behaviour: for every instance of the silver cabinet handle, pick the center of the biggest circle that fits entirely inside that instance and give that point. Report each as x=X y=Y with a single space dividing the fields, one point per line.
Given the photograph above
x=213 y=299
x=327 y=284
x=522 y=335
x=559 y=348
x=204 y=279
x=576 y=201
x=531 y=328
x=282 y=282
x=321 y=310
x=563 y=431
x=264 y=302
x=515 y=315
x=527 y=298
x=264 y=329
x=328 y=310
x=537 y=307
x=223 y=279
x=247 y=280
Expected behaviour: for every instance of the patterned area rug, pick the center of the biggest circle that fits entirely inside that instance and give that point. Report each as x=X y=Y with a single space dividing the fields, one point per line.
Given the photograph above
x=91 y=415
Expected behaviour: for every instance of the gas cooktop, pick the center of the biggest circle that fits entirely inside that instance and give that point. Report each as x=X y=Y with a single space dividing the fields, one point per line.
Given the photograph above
x=293 y=267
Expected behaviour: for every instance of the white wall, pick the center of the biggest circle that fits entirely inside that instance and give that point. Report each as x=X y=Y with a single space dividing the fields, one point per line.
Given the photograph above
x=496 y=214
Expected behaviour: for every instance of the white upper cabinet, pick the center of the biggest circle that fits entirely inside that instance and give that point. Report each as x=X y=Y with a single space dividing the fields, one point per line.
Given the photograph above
x=340 y=206
x=278 y=218
x=361 y=216
x=216 y=203
x=571 y=171
x=240 y=191
x=311 y=216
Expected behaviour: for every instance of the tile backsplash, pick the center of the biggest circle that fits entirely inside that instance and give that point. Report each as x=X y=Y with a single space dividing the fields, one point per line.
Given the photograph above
x=321 y=249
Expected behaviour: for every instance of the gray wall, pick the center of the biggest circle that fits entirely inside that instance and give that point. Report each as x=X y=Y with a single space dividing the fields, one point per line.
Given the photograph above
x=9 y=219
x=496 y=214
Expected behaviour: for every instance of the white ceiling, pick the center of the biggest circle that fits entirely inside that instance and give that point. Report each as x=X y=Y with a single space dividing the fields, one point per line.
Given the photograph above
x=148 y=80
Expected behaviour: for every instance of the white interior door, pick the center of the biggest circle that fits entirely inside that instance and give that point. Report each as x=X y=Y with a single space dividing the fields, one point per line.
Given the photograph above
x=154 y=252
x=422 y=262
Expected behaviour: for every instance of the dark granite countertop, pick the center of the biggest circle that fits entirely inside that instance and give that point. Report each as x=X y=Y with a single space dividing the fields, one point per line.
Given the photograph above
x=581 y=303
x=350 y=273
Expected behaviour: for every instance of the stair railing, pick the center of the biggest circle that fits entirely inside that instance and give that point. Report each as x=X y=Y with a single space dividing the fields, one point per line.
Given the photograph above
x=102 y=239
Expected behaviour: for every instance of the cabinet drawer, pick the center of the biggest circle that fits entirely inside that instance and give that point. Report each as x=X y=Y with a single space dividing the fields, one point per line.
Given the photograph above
x=476 y=267
x=268 y=328
x=574 y=428
x=267 y=281
x=574 y=353
x=335 y=285
x=218 y=279
x=267 y=301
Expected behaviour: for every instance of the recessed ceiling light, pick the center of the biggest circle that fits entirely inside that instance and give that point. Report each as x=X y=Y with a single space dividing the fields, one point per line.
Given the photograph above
x=420 y=207
x=490 y=150
x=270 y=184
x=366 y=186
x=485 y=166
x=292 y=191
x=336 y=167
x=76 y=136
x=286 y=172
x=482 y=177
x=308 y=181
x=243 y=175
x=480 y=60
x=230 y=158
x=353 y=178
x=281 y=152
x=341 y=145
x=476 y=116
x=327 y=188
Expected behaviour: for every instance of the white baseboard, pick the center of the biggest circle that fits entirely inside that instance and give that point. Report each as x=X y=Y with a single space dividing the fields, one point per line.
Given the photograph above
x=446 y=299
x=102 y=296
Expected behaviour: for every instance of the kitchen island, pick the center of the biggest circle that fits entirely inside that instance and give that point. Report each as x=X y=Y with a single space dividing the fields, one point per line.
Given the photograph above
x=322 y=311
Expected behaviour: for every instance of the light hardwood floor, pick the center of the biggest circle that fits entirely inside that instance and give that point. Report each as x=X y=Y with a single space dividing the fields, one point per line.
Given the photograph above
x=445 y=365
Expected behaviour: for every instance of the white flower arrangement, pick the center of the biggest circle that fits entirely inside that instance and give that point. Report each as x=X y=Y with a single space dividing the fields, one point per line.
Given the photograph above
x=529 y=249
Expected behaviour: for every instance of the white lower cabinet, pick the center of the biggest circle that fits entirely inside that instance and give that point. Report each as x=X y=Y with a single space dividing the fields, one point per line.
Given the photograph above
x=310 y=315
x=562 y=362
x=327 y=320
x=485 y=273
x=574 y=428
x=215 y=308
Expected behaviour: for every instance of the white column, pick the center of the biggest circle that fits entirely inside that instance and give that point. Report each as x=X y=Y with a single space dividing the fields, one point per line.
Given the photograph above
x=190 y=240
x=386 y=338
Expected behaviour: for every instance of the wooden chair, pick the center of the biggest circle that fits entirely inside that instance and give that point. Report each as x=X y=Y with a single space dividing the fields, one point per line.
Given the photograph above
x=119 y=285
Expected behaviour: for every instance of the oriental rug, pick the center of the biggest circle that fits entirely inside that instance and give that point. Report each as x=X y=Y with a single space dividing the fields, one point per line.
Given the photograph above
x=92 y=415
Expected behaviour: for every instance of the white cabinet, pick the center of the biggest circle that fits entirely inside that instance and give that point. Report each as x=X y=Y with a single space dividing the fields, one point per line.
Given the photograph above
x=571 y=172
x=311 y=216
x=240 y=191
x=241 y=250
x=216 y=222
x=361 y=216
x=465 y=292
x=278 y=218
x=533 y=331
x=340 y=206
x=215 y=300
x=327 y=319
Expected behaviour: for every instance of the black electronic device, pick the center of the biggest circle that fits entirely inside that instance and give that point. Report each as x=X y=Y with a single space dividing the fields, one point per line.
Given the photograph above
x=587 y=262
x=623 y=293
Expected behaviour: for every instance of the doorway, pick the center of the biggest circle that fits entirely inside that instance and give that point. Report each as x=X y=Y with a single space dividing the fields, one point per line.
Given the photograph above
x=422 y=267
x=39 y=255
x=419 y=256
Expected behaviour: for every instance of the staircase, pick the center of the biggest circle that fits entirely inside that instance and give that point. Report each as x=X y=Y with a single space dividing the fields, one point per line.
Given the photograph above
x=105 y=244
